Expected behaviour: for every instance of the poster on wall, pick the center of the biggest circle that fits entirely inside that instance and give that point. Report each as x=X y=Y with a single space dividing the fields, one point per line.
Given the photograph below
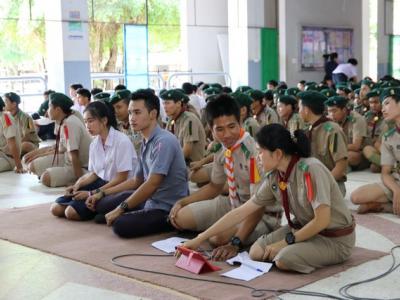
x=317 y=41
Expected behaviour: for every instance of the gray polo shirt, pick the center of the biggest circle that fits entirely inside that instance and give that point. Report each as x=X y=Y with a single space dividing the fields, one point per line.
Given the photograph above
x=162 y=154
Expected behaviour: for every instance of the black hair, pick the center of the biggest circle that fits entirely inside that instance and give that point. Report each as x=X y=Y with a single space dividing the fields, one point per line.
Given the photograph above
x=352 y=61
x=76 y=86
x=1 y=104
x=273 y=82
x=333 y=56
x=222 y=105
x=303 y=82
x=48 y=92
x=119 y=87
x=99 y=110
x=269 y=95
x=282 y=85
x=187 y=87
x=199 y=84
x=275 y=136
x=13 y=97
x=95 y=91
x=340 y=105
x=226 y=89
x=317 y=107
x=84 y=92
x=151 y=101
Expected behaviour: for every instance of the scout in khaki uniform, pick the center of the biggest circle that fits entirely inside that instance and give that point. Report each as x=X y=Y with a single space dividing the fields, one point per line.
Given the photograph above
x=249 y=124
x=366 y=87
x=10 y=142
x=354 y=127
x=322 y=231
x=29 y=138
x=236 y=164
x=65 y=162
x=120 y=102
x=184 y=125
x=328 y=142
x=385 y=196
x=292 y=92
x=263 y=114
x=287 y=113
x=376 y=127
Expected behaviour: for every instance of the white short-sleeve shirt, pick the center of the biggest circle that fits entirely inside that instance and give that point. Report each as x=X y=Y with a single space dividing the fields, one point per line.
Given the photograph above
x=347 y=69
x=115 y=156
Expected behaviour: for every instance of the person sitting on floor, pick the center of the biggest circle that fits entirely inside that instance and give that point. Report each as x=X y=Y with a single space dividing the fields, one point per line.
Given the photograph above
x=322 y=232
x=235 y=164
x=385 y=196
x=63 y=163
x=112 y=160
x=29 y=138
x=140 y=206
x=10 y=142
x=45 y=132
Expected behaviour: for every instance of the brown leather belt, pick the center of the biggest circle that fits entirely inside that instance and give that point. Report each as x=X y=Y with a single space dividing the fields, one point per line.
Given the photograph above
x=333 y=233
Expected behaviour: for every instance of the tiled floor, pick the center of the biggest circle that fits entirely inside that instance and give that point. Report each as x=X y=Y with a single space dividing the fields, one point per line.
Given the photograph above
x=30 y=274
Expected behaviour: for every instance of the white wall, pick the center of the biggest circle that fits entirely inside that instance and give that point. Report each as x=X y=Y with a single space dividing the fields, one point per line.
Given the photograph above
x=297 y=13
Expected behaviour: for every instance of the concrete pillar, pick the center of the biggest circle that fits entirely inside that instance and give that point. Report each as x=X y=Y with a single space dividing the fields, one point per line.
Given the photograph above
x=383 y=42
x=67 y=43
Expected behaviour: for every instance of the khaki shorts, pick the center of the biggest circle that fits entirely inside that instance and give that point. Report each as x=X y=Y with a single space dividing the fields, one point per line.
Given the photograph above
x=317 y=252
x=388 y=192
x=207 y=212
x=6 y=163
x=41 y=164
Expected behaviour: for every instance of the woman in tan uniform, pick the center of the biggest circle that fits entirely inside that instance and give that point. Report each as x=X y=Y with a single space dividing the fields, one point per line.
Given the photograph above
x=322 y=232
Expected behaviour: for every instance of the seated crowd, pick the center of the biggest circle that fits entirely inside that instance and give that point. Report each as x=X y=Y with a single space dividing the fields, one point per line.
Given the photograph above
x=127 y=160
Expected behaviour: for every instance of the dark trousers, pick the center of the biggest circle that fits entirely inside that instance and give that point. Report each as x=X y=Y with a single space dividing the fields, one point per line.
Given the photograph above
x=110 y=202
x=339 y=77
x=142 y=222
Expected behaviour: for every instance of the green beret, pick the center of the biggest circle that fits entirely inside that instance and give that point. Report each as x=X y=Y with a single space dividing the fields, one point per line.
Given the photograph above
x=211 y=91
x=288 y=99
x=308 y=97
x=336 y=101
x=13 y=97
x=357 y=92
x=269 y=95
x=255 y=95
x=328 y=93
x=2 y=104
x=102 y=96
x=388 y=92
x=343 y=88
x=243 y=89
x=175 y=95
x=312 y=86
x=368 y=83
x=355 y=86
x=216 y=86
x=120 y=95
x=242 y=99
x=292 y=91
x=280 y=91
x=374 y=93
x=391 y=83
x=61 y=100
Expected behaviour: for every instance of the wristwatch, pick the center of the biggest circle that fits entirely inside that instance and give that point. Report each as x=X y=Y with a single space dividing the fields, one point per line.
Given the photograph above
x=124 y=206
x=235 y=241
x=290 y=238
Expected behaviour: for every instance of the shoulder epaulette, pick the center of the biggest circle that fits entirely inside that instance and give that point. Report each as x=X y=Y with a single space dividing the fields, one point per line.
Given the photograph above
x=368 y=114
x=328 y=127
x=216 y=147
x=245 y=150
x=351 y=118
x=303 y=166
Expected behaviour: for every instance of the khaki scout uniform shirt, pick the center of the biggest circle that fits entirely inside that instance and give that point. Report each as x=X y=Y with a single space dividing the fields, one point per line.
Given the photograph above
x=376 y=126
x=267 y=116
x=74 y=136
x=294 y=123
x=354 y=126
x=390 y=151
x=361 y=109
x=251 y=126
x=325 y=190
x=8 y=129
x=27 y=129
x=329 y=144
x=188 y=129
x=135 y=137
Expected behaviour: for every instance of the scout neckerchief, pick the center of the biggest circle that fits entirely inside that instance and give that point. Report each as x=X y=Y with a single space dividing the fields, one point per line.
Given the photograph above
x=283 y=187
x=321 y=120
x=58 y=137
x=183 y=109
x=229 y=171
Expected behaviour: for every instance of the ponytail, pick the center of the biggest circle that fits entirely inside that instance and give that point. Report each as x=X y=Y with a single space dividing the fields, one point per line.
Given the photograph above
x=275 y=136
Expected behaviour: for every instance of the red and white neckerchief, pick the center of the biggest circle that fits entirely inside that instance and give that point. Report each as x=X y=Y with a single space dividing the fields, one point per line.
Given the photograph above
x=229 y=170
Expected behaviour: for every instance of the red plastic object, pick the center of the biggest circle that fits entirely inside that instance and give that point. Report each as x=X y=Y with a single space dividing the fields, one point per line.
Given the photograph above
x=194 y=262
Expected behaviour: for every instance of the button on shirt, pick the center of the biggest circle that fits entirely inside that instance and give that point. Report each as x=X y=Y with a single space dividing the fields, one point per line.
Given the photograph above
x=117 y=155
x=162 y=154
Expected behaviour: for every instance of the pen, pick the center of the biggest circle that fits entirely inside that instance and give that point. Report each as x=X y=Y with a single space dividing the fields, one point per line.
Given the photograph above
x=252 y=267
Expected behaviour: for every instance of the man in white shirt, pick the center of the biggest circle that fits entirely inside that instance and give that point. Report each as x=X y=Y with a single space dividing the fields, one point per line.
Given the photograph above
x=345 y=72
x=197 y=102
